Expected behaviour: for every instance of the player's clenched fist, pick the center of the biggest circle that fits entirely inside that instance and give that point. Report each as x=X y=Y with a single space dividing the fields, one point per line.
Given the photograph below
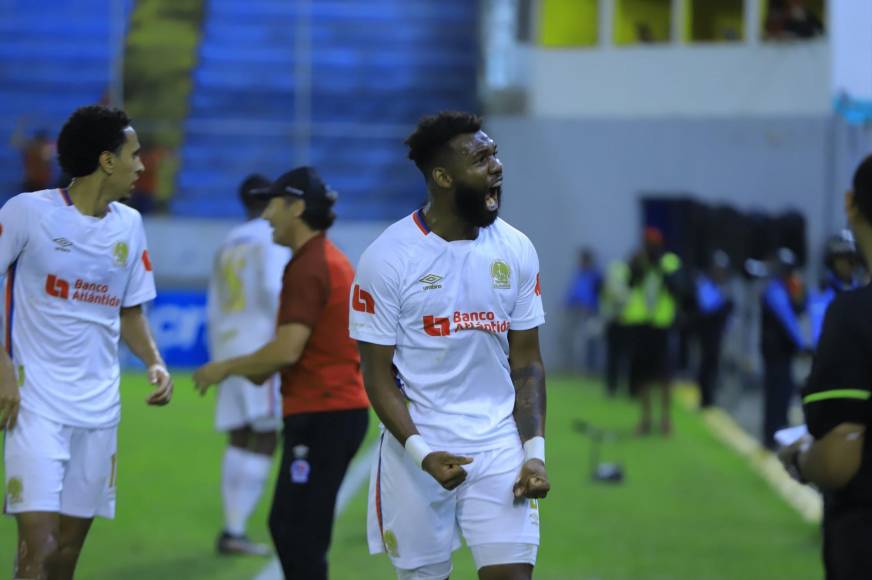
x=446 y=468
x=533 y=481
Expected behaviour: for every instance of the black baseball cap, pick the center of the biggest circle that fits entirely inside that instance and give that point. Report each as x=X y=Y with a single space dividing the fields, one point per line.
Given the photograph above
x=303 y=182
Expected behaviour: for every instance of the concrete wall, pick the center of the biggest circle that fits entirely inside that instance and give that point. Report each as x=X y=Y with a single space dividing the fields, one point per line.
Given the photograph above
x=681 y=80
x=575 y=182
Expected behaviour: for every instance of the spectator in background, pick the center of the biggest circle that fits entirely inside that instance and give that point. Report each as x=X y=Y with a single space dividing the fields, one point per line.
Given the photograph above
x=612 y=302
x=712 y=310
x=781 y=340
x=789 y=19
x=36 y=158
x=841 y=274
x=651 y=310
x=582 y=308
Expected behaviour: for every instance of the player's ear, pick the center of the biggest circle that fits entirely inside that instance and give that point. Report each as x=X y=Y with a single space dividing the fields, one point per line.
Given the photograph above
x=107 y=162
x=298 y=206
x=441 y=177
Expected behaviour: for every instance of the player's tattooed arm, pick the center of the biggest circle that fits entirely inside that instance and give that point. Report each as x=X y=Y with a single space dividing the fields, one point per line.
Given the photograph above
x=528 y=376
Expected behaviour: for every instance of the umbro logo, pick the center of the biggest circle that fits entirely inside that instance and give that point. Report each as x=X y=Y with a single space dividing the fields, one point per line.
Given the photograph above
x=430 y=281
x=62 y=244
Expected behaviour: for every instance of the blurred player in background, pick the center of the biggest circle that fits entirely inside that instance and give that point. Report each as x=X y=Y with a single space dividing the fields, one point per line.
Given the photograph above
x=78 y=274
x=446 y=308
x=325 y=406
x=243 y=301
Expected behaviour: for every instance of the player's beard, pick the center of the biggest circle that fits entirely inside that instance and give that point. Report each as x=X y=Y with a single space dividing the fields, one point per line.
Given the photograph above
x=472 y=207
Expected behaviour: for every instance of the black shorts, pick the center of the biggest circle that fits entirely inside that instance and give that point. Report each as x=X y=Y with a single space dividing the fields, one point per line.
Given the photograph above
x=847 y=542
x=650 y=361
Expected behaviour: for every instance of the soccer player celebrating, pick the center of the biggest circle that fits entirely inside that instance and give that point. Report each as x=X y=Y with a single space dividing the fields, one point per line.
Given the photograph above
x=243 y=301
x=446 y=307
x=78 y=274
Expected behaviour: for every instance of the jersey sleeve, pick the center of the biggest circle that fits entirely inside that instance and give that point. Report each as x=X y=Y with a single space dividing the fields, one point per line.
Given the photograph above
x=13 y=231
x=305 y=292
x=838 y=387
x=275 y=258
x=528 y=311
x=374 y=307
x=140 y=285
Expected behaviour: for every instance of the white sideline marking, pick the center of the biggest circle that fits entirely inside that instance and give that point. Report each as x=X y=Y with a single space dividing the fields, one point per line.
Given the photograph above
x=802 y=498
x=355 y=477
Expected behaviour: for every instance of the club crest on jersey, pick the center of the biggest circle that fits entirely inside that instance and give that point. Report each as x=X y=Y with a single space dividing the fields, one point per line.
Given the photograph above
x=431 y=281
x=501 y=274
x=121 y=253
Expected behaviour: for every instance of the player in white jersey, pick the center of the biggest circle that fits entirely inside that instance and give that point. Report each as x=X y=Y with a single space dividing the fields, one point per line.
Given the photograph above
x=449 y=297
x=242 y=307
x=78 y=272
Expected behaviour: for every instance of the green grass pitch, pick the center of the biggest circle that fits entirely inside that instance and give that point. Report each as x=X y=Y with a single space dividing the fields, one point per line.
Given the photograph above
x=689 y=508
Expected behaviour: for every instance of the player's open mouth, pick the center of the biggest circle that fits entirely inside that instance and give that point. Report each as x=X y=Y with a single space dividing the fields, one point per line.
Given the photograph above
x=492 y=199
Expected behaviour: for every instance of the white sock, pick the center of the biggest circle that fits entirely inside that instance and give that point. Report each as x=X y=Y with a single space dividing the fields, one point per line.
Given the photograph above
x=244 y=478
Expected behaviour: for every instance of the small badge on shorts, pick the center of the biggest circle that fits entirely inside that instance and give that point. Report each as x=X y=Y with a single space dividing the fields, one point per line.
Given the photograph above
x=390 y=540
x=300 y=470
x=15 y=490
x=534 y=512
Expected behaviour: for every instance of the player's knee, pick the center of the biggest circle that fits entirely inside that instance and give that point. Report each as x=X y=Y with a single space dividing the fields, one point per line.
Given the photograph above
x=239 y=437
x=439 y=571
x=264 y=443
x=35 y=557
x=505 y=561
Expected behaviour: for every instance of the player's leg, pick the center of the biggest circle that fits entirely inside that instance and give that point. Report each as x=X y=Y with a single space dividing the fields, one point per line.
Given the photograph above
x=38 y=542
x=73 y=532
x=503 y=534
x=88 y=491
x=318 y=450
x=410 y=516
x=34 y=456
x=506 y=572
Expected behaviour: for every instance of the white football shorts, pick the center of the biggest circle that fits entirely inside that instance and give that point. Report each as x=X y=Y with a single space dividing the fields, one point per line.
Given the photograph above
x=242 y=403
x=418 y=523
x=52 y=467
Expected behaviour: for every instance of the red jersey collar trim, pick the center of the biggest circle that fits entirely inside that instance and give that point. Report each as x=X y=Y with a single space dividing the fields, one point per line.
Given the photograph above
x=418 y=218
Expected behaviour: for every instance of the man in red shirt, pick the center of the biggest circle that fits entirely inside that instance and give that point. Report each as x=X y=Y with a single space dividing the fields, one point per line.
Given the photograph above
x=324 y=402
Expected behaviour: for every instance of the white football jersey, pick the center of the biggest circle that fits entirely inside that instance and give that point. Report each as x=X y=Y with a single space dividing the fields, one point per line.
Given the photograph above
x=448 y=307
x=244 y=290
x=68 y=276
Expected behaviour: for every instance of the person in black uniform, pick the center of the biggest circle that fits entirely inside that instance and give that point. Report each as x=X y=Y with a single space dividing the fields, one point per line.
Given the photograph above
x=837 y=402
x=712 y=310
x=781 y=340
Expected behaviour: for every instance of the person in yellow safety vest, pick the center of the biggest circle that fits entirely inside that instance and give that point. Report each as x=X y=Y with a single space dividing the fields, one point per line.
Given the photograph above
x=650 y=312
x=613 y=298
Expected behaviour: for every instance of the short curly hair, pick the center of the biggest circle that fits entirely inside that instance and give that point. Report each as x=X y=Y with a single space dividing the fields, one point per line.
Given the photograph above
x=434 y=131
x=87 y=134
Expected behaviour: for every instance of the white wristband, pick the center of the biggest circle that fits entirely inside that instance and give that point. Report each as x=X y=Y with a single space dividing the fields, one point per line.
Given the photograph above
x=534 y=449
x=417 y=449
